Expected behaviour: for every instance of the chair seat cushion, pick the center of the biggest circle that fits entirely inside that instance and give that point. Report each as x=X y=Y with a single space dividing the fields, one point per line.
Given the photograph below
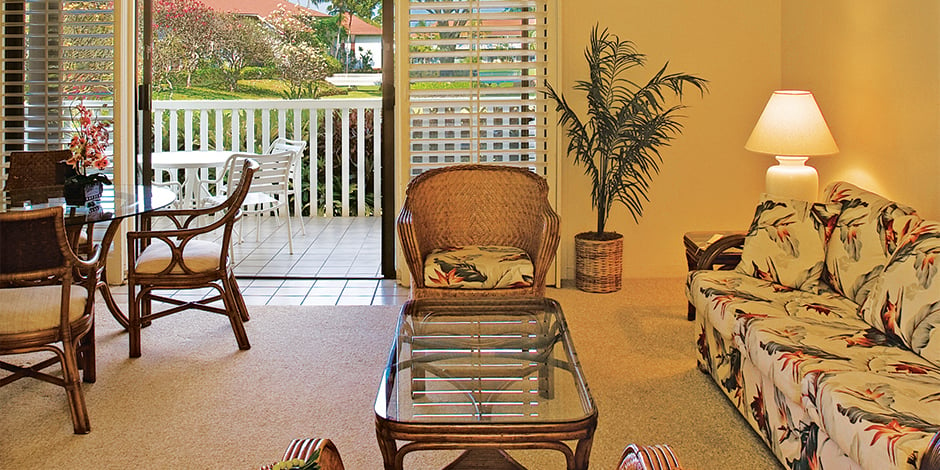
x=199 y=256
x=37 y=308
x=478 y=267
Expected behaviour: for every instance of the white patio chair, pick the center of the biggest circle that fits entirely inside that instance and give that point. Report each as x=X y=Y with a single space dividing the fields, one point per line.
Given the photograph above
x=296 y=175
x=269 y=188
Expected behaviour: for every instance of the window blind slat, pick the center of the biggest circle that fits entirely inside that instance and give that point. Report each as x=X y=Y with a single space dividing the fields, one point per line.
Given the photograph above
x=54 y=54
x=474 y=70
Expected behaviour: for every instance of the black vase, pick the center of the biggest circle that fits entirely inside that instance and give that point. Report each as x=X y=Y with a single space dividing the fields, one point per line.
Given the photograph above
x=80 y=193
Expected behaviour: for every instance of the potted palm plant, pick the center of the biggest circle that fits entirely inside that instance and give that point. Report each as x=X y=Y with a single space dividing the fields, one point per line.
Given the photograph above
x=619 y=142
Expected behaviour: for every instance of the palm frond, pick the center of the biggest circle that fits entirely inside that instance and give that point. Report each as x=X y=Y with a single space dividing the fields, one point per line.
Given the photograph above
x=627 y=122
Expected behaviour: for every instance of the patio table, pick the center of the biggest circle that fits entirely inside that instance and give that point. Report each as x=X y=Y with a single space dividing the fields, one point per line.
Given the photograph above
x=191 y=161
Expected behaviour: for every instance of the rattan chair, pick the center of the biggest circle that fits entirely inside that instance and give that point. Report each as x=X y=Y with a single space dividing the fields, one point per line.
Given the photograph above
x=476 y=204
x=303 y=449
x=36 y=176
x=296 y=185
x=657 y=457
x=47 y=298
x=177 y=259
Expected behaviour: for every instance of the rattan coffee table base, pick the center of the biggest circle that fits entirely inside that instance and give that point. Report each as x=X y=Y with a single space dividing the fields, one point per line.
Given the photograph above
x=485 y=459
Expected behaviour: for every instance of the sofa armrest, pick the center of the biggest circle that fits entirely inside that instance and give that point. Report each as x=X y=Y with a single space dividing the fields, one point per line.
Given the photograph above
x=726 y=251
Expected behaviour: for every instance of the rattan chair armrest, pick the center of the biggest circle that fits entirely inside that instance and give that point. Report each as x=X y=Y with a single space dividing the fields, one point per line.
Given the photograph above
x=547 y=246
x=180 y=233
x=720 y=248
x=409 y=245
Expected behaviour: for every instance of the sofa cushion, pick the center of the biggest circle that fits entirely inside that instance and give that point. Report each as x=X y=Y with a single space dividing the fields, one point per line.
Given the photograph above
x=863 y=237
x=478 y=267
x=786 y=242
x=882 y=421
x=730 y=300
x=792 y=350
x=904 y=301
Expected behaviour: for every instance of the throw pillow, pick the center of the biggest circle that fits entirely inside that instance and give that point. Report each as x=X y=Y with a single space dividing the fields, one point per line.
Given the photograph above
x=904 y=301
x=478 y=267
x=866 y=234
x=786 y=242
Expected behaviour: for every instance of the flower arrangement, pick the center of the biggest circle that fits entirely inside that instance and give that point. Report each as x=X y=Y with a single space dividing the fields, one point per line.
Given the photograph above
x=88 y=145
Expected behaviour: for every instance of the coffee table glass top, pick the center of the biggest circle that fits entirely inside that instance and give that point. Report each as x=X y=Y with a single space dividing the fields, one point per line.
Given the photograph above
x=478 y=363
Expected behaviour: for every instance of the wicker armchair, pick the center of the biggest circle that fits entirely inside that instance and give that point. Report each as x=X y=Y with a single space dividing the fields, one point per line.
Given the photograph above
x=177 y=259
x=474 y=204
x=48 y=299
x=303 y=449
x=656 y=457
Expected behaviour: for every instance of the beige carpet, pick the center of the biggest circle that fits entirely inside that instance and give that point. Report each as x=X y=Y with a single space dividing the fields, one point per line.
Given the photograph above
x=193 y=401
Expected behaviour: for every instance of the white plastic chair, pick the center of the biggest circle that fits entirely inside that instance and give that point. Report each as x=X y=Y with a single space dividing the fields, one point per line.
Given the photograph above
x=296 y=185
x=269 y=188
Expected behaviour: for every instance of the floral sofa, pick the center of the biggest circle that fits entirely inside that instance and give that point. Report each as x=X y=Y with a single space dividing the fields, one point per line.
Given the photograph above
x=826 y=335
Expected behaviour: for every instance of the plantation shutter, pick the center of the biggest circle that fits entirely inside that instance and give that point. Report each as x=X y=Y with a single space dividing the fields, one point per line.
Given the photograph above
x=475 y=69
x=54 y=55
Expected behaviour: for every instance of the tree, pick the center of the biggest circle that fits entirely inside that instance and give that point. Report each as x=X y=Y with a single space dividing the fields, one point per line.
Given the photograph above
x=183 y=35
x=239 y=42
x=302 y=66
x=300 y=58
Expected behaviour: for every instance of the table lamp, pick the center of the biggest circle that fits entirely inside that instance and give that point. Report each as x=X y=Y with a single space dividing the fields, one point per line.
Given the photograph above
x=792 y=128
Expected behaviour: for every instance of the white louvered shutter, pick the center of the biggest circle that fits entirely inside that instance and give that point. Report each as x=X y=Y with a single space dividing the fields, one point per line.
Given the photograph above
x=54 y=55
x=476 y=69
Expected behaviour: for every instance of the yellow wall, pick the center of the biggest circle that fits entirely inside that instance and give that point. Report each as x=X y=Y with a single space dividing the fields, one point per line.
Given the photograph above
x=707 y=179
x=873 y=65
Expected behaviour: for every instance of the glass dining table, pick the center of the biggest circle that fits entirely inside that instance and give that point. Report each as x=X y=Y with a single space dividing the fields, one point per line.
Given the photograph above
x=115 y=206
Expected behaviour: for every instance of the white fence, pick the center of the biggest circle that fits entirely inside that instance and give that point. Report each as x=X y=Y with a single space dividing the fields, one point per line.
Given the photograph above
x=338 y=143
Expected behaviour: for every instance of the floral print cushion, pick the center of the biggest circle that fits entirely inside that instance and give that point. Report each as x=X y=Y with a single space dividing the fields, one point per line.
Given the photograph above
x=786 y=242
x=904 y=301
x=478 y=267
x=863 y=238
x=883 y=422
x=790 y=351
x=727 y=296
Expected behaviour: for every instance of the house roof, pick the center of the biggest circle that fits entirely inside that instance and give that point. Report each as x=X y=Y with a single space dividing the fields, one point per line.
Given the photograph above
x=261 y=8
x=359 y=27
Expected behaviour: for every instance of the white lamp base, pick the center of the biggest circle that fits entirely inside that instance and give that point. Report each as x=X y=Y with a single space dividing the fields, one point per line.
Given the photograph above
x=792 y=179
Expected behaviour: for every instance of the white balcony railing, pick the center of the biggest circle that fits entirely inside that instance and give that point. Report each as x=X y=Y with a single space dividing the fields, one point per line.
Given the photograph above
x=341 y=167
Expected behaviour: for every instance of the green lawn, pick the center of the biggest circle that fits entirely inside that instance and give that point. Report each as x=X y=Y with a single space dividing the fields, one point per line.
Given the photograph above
x=253 y=90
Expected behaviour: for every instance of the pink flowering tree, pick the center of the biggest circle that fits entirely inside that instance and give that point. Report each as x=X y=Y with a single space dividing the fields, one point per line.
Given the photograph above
x=183 y=35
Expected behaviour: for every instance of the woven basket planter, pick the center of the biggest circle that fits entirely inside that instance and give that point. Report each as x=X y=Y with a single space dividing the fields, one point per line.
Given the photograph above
x=598 y=263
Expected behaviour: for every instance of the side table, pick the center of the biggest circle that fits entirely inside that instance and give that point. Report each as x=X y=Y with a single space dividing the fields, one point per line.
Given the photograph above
x=696 y=244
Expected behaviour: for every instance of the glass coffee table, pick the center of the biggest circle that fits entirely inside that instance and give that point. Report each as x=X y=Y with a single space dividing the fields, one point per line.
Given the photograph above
x=485 y=377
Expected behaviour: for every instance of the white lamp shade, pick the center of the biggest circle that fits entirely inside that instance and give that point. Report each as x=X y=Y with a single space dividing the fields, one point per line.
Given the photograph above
x=792 y=124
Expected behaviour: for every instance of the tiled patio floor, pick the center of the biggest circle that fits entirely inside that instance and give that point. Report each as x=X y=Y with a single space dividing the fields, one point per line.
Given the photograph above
x=335 y=247
x=337 y=262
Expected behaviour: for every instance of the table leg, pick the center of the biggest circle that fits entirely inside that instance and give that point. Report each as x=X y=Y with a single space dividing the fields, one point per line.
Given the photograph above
x=692 y=261
x=103 y=286
x=388 y=447
x=582 y=453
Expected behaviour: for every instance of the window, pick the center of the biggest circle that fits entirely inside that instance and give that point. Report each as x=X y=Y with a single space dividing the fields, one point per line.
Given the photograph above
x=54 y=54
x=474 y=76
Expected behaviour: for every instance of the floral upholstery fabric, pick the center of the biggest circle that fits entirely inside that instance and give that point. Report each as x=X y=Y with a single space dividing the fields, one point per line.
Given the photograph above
x=910 y=281
x=864 y=236
x=893 y=417
x=786 y=242
x=478 y=267
x=845 y=377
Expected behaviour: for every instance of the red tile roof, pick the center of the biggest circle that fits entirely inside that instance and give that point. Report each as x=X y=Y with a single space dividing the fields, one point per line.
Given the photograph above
x=360 y=27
